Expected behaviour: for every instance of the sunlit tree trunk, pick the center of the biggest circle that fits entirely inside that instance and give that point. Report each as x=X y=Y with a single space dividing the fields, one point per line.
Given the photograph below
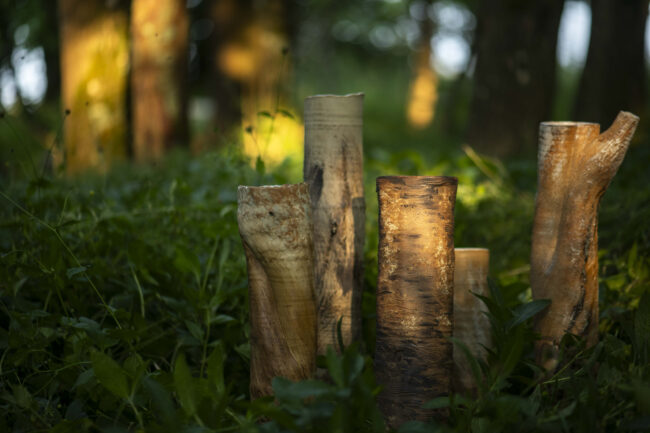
x=159 y=29
x=423 y=91
x=614 y=76
x=575 y=166
x=94 y=63
x=415 y=284
x=515 y=74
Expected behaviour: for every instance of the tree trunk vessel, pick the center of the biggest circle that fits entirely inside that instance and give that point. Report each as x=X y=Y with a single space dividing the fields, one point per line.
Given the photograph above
x=413 y=359
x=471 y=325
x=333 y=169
x=276 y=230
x=575 y=167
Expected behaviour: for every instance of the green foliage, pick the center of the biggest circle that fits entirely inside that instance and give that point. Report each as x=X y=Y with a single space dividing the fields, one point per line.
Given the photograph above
x=123 y=307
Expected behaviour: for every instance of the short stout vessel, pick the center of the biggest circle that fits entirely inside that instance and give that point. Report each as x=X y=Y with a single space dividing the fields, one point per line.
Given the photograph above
x=575 y=166
x=276 y=230
x=333 y=169
x=413 y=359
x=471 y=324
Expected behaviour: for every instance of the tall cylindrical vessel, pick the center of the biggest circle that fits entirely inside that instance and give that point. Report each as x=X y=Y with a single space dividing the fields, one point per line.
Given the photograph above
x=471 y=325
x=575 y=166
x=413 y=359
x=276 y=230
x=333 y=169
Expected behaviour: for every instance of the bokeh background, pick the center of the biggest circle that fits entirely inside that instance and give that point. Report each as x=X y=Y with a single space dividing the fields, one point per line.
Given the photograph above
x=142 y=77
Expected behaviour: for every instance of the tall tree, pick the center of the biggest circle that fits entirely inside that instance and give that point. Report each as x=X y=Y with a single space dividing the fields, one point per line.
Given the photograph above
x=228 y=16
x=423 y=91
x=94 y=64
x=515 y=74
x=614 y=75
x=159 y=30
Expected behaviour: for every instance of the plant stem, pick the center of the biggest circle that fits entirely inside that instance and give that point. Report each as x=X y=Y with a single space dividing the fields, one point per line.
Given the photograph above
x=67 y=248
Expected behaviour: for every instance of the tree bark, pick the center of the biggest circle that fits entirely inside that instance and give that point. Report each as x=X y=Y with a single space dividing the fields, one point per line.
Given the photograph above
x=471 y=325
x=515 y=74
x=94 y=64
x=159 y=31
x=413 y=359
x=276 y=230
x=614 y=76
x=575 y=167
x=333 y=168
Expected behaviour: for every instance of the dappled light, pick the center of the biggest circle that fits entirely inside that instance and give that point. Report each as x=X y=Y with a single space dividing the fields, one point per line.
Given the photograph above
x=309 y=216
x=423 y=96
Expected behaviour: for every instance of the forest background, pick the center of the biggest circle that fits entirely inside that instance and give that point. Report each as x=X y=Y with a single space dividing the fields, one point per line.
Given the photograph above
x=126 y=126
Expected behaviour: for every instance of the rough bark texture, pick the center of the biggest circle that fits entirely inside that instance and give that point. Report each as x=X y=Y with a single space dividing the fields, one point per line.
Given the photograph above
x=515 y=74
x=159 y=76
x=614 y=76
x=575 y=166
x=333 y=169
x=413 y=358
x=276 y=230
x=471 y=325
x=94 y=64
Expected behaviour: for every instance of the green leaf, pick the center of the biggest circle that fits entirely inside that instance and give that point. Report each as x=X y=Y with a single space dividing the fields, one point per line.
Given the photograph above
x=22 y=396
x=288 y=391
x=335 y=367
x=161 y=399
x=286 y=113
x=74 y=271
x=110 y=374
x=642 y=329
x=260 y=168
x=215 y=367
x=471 y=359
x=438 y=403
x=524 y=312
x=184 y=384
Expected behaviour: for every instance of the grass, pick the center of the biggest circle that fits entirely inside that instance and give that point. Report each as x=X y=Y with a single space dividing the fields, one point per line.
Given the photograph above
x=123 y=296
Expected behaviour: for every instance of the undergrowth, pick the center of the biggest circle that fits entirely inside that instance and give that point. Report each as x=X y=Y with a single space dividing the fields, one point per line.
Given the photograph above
x=123 y=307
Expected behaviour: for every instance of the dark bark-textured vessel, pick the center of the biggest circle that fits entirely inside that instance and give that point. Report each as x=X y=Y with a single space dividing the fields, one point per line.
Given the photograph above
x=275 y=227
x=575 y=166
x=413 y=358
x=471 y=325
x=334 y=171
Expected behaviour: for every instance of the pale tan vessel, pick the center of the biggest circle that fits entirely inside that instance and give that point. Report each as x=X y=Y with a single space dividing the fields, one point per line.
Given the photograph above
x=275 y=227
x=575 y=167
x=333 y=169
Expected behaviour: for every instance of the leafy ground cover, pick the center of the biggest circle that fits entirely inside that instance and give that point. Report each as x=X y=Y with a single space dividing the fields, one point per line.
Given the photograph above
x=123 y=306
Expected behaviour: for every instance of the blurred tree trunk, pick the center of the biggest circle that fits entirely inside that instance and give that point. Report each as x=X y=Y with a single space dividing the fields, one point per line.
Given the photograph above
x=515 y=74
x=614 y=75
x=423 y=91
x=228 y=17
x=159 y=30
x=51 y=50
x=94 y=63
